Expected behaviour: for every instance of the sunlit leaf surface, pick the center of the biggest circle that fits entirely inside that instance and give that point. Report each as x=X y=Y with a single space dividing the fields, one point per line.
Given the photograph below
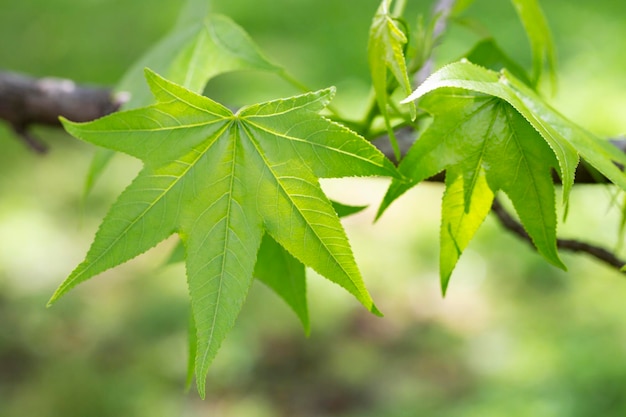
x=221 y=181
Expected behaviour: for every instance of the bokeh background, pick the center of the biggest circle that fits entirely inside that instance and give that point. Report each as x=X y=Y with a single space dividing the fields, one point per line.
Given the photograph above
x=514 y=336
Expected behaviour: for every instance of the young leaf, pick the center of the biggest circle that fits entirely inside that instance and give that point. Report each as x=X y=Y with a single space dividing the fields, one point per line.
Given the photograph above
x=538 y=32
x=566 y=139
x=386 y=51
x=493 y=123
x=478 y=135
x=557 y=132
x=221 y=180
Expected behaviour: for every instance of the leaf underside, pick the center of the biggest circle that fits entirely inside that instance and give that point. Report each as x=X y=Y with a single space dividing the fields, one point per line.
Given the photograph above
x=222 y=182
x=491 y=132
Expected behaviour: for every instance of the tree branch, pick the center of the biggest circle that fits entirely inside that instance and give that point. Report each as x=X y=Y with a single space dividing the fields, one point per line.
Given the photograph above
x=25 y=101
x=572 y=245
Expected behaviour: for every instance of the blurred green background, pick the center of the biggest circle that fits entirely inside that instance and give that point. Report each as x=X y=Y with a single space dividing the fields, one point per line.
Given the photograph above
x=513 y=337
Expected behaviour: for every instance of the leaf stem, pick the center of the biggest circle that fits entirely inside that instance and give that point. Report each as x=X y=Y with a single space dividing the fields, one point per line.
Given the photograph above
x=294 y=82
x=370 y=115
x=393 y=141
x=398 y=9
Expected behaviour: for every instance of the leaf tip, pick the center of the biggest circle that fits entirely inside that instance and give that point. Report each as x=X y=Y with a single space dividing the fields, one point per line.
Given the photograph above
x=380 y=211
x=328 y=93
x=150 y=74
x=68 y=125
x=412 y=97
x=376 y=311
x=561 y=265
x=201 y=386
x=445 y=280
x=155 y=81
x=55 y=297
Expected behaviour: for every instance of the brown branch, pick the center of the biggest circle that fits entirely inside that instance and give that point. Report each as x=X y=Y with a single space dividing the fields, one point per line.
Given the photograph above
x=572 y=245
x=26 y=101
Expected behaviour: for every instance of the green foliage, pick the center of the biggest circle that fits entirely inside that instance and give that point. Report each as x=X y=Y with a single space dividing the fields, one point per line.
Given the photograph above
x=241 y=189
x=221 y=181
x=492 y=125
x=386 y=47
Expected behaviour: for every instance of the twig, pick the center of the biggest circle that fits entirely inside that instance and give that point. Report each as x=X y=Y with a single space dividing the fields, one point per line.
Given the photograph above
x=509 y=223
x=25 y=101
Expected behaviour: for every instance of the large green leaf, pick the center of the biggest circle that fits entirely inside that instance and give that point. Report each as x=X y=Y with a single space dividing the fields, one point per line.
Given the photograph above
x=386 y=52
x=199 y=48
x=221 y=180
x=492 y=124
x=478 y=135
x=566 y=139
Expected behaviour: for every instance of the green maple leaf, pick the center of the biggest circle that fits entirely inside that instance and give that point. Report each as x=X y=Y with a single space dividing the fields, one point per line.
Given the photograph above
x=491 y=132
x=221 y=181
